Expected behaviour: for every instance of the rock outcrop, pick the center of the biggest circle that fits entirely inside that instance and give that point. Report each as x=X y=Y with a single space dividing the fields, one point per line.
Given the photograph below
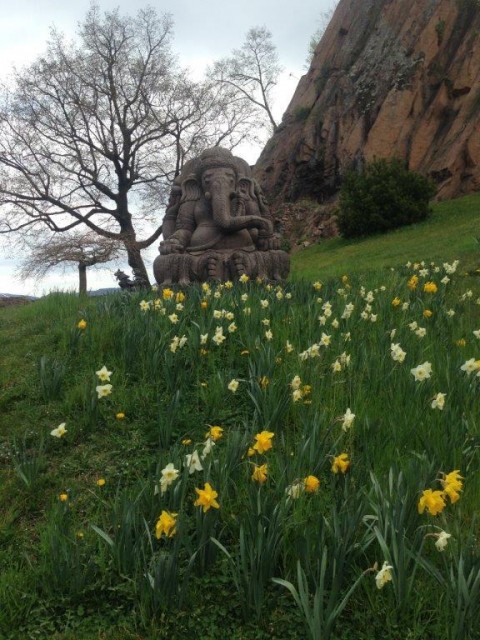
x=388 y=78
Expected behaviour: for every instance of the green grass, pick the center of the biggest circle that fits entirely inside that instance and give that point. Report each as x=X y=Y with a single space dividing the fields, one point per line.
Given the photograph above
x=451 y=232
x=82 y=569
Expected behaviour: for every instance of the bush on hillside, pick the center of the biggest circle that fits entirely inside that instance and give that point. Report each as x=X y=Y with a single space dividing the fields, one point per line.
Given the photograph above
x=385 y=196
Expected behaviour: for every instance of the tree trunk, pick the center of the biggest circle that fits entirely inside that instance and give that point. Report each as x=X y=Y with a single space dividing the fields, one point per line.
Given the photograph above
x=135 y=261
x=82 y=275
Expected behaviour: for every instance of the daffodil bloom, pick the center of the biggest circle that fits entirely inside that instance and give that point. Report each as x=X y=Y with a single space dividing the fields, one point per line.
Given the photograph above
x=430 y=287
x=192 y=461
x=167 y=294
x=288 y=347
x=340 y=463
x=396 y=302
x=384 y=575
x=169 y=475
x=317 y=285
x=232 y=327
x=422 y=371
x=412 y=283
x=335 y=323
x=259 y=473
x=295 y=490
x=144 y=305
x=206 y=498
x=348 y=418
x=263 y=441
x=233 y=385
x=397 y=353
x=264 y=382
x=120 y=415
x=312 y=484
x=264 y=304
x=438 y=402
x=297 y=395
x=215 y=433
x=218 y=338
x=203 y=304
x=442 y=540
x=60 y=431
x=173 y=318
x=452 y=485
x=432 y=501
x=470 y=366
x=103 y=390
x=103 y=374
x=186 y=441
x=336 y=366
x=461 y=342
x=207 y=448
x=101 y=482
x=63 y=497
x=244 y=278
x=296 y=382
x=166 y=525
x=427 y=313
x=268 y=335
x=180 y=297
x=82 y=324
x=421 y=332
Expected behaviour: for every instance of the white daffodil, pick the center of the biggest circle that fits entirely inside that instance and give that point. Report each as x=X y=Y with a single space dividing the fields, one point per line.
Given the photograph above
x=421 y=372
x=60 y=431
x=169 y=475
x=348 y=419
x=438 y=401
x=442 y=540
x=192 y=461
x=103 y=390
x=384 y=575
x=233 y=385
x=470 y=366
x=103 y=374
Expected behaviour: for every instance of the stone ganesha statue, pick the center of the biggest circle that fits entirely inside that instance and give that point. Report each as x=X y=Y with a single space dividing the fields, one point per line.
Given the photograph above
x=217 y=225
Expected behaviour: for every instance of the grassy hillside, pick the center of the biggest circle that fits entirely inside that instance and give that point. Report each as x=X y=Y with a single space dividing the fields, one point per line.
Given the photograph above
x=186 y=464
x=452 y=232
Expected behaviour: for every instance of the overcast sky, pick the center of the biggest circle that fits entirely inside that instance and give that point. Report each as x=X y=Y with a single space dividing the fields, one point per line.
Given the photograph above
x=204 y=31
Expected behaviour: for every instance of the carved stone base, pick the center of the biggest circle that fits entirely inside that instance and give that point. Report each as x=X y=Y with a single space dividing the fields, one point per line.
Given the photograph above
x=184 y=268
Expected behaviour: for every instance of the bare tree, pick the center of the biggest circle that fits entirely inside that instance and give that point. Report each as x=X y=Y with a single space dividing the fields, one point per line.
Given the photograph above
x=93 y=131
x=253 y=70
x=84 y=250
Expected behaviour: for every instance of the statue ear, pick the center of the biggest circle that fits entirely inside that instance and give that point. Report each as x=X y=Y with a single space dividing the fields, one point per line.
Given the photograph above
x=190 y=189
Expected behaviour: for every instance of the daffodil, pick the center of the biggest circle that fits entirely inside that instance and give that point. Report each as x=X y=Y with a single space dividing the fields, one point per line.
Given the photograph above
x=263 y=441
x=169 y=475
x=59 y=431
x=442 y=540
x=103 y=390
x=233 y=385
x=312 y=484
x=101 y=482
x=432 y=501
x=120 y=415
x=438 y=402
x=430 y=287
x=341 y=463
x=215 y=433
x=452 y=485
x=103 y=374
x=384 y=575
x=166 y=525
x=422 y=371
x=295 y=490
x=82 y=324
x=206 y=498
x=259 y=473
x=347 y=420
x=192 y=461
x=63 y=497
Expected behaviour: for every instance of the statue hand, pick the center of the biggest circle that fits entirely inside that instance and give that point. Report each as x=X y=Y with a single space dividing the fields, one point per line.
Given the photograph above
x=268 y=242
x=172 y=245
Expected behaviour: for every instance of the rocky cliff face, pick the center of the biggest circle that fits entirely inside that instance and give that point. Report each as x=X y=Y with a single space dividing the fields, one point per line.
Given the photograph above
x=389 y=78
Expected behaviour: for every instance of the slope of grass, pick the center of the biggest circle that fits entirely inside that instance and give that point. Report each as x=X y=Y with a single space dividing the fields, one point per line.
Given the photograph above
x=451 y=232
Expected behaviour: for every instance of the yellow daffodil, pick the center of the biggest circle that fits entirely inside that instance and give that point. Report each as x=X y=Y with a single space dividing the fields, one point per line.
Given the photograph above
x=63 y=497
x=341 y=463
x=206 y=498
x=412 y=283
x=167 y=294
x=259 y=473
x=396 y=302
x=203 y=304
x=166 y=525
x=263 y=441
x=186 y=441
x=120 y=415
x=384 y=575
x=215 y=433
x=82 y=324
x=430 y=287
x=432 y=501
x=101 y=482
x=233 y=385
x=312 y=484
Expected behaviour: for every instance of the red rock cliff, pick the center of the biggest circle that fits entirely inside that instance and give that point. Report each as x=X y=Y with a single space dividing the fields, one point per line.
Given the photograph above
x=389 y=78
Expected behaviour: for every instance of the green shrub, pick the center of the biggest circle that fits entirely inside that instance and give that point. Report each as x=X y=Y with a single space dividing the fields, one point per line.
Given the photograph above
x=385 y=196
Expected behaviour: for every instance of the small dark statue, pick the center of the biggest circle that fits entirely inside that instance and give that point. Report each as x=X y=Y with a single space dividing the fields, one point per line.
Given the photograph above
x=217 y=225
x=125 y=282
